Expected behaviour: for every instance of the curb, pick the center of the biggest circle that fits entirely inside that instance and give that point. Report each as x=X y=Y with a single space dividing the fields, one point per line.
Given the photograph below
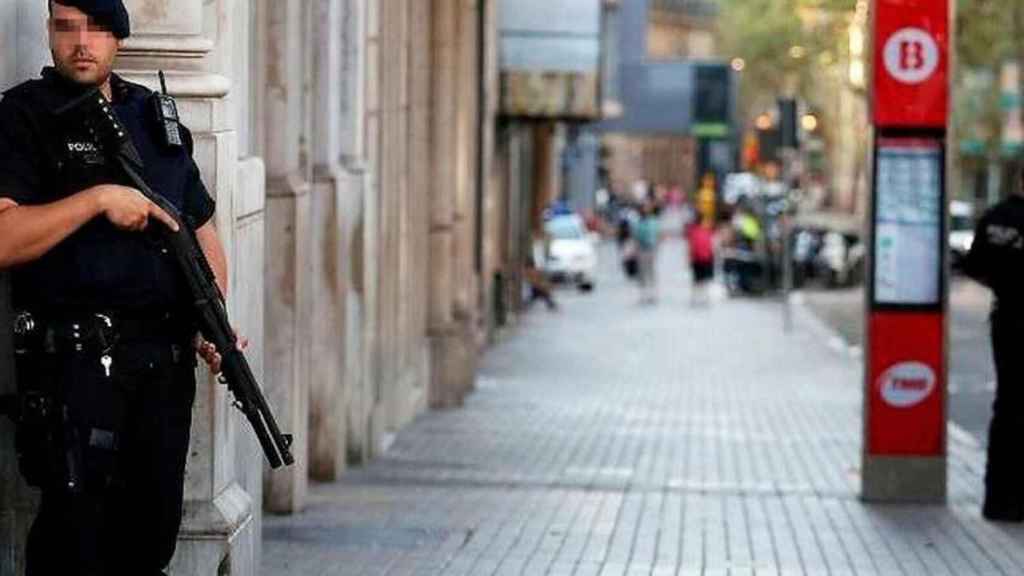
x=836 y=342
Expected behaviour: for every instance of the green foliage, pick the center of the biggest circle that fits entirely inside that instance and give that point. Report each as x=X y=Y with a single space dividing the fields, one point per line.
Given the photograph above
x=764 y=32
x=988 y=32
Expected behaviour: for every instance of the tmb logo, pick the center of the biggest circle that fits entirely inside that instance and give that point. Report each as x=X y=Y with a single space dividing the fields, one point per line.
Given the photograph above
x=907 y=384
x=911 y=55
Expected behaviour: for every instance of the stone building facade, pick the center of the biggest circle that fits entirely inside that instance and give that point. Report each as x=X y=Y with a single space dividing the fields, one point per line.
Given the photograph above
x=681 y=30
x=657 y=141
x=350 y=146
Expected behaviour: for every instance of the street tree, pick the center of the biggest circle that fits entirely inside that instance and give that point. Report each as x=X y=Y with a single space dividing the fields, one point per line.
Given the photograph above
x=787 y=45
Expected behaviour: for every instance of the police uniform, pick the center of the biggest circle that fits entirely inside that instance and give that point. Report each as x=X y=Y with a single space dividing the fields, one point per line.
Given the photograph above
x=997 y=260
x=116 y=331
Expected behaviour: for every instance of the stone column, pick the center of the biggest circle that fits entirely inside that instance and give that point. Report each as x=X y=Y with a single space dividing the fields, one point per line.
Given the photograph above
x=465 y=156
x=367 y=242
x=413 y=81
x=327 y=421
x=355 y=69
x=467 y=301
x=545 y=188
x=284 y=28
x=420 y=173
x=448 y=354
x=194 y=42
x=390 y=60
x=401 y=395
x=24 y=45
x=493 y=214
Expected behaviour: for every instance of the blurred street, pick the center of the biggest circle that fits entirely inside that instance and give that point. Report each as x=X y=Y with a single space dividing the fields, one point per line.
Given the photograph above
x=612 y=438
x=972 y=376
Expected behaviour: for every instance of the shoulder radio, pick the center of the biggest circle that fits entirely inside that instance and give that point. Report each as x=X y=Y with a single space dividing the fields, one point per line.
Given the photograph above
x=167 y=116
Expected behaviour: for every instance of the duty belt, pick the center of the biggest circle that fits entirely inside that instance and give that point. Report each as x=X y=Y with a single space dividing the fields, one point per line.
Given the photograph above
x=156 y=326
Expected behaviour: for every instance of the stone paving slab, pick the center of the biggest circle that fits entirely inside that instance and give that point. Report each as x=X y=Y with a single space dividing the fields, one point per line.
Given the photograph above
x=614 y=439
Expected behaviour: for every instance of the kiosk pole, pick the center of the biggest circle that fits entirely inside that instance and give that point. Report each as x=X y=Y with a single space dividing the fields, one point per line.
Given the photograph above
x=904 y=457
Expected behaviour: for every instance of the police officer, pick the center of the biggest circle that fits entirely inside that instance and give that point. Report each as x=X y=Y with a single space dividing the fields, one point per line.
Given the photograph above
x=114 y=343
x=997 y=261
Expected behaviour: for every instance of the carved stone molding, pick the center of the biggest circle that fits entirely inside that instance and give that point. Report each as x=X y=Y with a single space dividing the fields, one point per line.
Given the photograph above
x=167 y=47
x=183 y=84
x=166 y=29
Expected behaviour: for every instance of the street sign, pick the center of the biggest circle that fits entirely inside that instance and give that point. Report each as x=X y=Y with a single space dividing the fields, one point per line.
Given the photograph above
x=906 y=372
x=908 y=222
x=911 y=81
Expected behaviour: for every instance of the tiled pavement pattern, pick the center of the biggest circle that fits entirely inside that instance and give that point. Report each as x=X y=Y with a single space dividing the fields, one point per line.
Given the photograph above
x=614 y=439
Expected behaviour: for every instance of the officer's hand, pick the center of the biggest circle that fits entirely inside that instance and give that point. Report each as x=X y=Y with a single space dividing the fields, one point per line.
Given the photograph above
x=208 y=352
x=128 y=209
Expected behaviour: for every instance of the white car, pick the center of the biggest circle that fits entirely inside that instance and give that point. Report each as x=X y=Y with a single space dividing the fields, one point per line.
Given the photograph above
x=571 y=254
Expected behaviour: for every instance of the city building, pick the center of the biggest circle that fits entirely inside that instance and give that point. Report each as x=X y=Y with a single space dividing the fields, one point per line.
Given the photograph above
x=677 y=100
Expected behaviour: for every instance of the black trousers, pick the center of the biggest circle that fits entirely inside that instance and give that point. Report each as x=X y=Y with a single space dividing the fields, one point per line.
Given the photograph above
x=1004 y=474
x=126 y=519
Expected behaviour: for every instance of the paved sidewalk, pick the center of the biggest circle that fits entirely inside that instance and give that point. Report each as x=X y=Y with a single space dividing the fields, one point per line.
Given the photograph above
x=614 y=439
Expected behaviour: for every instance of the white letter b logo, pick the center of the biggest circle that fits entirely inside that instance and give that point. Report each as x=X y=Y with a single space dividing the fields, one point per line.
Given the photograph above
x=911 y=55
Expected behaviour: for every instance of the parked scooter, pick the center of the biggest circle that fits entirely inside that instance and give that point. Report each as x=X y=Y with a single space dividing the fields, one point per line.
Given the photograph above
x=840 y=260
x=743 y=272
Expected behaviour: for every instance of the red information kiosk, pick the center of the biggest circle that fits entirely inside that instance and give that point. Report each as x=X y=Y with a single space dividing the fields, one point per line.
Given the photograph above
x=906 y=372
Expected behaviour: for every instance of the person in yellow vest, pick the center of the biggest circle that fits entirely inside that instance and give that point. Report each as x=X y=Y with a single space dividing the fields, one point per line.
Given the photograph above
x=706 y=198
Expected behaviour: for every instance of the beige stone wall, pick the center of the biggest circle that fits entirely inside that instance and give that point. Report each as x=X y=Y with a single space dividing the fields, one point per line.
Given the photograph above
x=656 y=159
x=672 y=35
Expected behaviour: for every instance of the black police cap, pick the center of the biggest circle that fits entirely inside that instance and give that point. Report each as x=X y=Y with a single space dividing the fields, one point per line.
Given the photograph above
x=110 y=13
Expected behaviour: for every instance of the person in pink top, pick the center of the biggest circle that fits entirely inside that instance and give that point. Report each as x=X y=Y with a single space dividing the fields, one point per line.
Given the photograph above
x=700 y=237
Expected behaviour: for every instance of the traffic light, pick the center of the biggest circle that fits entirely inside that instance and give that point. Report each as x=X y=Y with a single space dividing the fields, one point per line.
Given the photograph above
x=712 y=105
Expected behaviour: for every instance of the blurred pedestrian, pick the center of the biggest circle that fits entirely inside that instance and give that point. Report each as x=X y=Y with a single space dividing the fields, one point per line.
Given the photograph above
x=624 y=237
x=641 y=191
x=540 y=286
x=997 y=261
x=747 y=226
x=676 y=195
x=700 y=238
x=646 y=235
x=706 y=200
x=743 y=262
x=622 y=229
